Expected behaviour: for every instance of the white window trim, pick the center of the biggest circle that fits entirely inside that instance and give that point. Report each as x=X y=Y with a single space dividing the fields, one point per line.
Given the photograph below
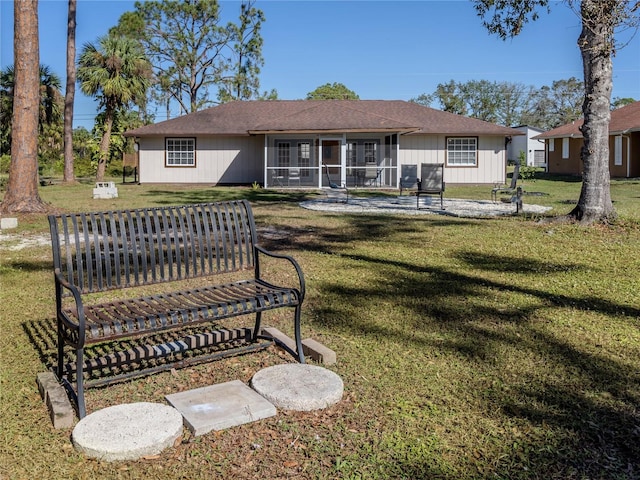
x=187 y=151
x=552 y=144
x=462 y=142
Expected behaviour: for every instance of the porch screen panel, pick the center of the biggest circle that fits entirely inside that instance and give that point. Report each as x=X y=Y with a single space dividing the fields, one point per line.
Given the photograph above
x=370 y=155
x=304 y=158
x=284 y=157
x=352 y=157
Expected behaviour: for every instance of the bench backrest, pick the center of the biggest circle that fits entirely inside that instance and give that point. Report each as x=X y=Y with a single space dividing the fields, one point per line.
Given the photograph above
x=115 y=249
x=432 y=177
x=514 y=177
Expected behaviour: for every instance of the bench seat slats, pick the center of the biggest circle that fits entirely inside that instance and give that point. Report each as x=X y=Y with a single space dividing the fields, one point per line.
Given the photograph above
x=143 y=315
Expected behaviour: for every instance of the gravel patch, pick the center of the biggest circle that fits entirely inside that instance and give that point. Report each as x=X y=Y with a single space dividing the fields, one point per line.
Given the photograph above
x=14 y=242
x=406 y=205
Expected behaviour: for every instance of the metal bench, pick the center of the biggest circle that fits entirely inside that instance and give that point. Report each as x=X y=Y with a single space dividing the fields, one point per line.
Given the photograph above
x=151 y=272
x=431 y=182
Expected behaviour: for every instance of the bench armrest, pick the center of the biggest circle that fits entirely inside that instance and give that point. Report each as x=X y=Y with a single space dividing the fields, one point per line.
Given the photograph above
x=261 y=251
x=62 y=283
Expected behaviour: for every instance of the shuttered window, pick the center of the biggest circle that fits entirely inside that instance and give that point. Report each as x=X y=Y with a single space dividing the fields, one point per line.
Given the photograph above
x=617 y=151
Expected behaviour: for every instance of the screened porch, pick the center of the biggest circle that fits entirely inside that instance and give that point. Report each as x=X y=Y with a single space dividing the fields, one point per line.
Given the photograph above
x=321 y=162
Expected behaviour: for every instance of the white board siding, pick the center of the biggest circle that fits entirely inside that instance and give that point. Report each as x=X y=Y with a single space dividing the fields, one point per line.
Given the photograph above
x=527 y=144
x=417 y=149
x=218 y=160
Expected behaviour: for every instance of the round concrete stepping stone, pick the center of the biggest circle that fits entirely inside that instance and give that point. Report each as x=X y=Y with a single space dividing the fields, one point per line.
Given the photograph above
x=128 y=431
x=297 y=386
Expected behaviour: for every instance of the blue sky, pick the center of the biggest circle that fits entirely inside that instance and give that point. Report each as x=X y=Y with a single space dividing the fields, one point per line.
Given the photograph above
x=379 y=49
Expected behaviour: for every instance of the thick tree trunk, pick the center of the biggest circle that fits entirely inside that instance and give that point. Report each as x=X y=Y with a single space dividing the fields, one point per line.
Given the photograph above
x=22 y=188
x=69 y=176
x=596 y=45
x=104 y=145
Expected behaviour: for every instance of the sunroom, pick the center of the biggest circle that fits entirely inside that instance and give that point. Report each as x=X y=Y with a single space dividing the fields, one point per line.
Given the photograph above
x=319 y=160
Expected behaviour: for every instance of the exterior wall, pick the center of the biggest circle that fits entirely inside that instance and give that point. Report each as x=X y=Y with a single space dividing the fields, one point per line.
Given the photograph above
x=240 y=160
x=491 y=167
x=630 y=156
x=573 y=165
x=219 y=160
x=566 y=166
x=634 y=170
x=526 y=144
x=617 y=170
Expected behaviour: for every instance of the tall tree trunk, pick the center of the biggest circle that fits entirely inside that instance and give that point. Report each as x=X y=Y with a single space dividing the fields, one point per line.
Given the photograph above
x=104 y=145
x=596 y=45
x=69 y=176
x=22 y=188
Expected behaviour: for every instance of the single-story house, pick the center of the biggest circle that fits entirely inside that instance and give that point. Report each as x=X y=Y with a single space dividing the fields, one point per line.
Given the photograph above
x=314 y=143
x=533 y=149
x=563 y=144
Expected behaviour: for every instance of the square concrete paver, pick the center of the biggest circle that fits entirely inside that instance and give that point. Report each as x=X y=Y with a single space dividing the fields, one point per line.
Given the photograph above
x=220 y=406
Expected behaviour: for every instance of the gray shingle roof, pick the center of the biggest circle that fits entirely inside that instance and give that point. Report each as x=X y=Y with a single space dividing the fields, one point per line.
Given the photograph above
x=329 y=116
x=623 y=119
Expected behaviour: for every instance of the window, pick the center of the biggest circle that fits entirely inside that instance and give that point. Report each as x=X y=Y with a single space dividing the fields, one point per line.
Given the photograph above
x=352 y=154
x=370 y=152
x=565 y=148
x=552 y=144
x=617 y=150
x=284 y=157
x=181 y=152
x=304 y=158
x=462 y=151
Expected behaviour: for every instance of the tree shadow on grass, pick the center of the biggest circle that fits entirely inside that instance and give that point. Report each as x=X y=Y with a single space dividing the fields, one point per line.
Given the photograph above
x=350 y=228
x=592 y=410
x=218 y=194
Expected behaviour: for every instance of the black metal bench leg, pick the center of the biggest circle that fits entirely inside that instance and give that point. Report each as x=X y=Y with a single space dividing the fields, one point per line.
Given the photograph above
x=60 y=371
x=82 y=411
x=257 y=326
x=298 y=335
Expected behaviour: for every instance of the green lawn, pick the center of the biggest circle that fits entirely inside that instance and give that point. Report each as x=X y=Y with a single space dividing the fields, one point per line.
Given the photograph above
x=500 y=348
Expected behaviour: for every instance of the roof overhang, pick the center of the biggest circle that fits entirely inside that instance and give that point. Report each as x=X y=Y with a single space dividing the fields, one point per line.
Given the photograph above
x=469 y=134
x=625 y=132
x=336 y=131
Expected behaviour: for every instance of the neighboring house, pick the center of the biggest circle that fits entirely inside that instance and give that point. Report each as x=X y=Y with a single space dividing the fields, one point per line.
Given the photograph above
x=564 y=144
x=313 y=143
x=534 y=149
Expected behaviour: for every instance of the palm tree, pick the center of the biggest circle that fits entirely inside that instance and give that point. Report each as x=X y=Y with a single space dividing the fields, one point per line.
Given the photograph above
x=50 y=111
x=50 y=97
x=7 y=81
x=116 y=72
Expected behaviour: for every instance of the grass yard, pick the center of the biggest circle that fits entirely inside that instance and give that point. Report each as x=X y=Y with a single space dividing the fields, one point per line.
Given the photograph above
x=469 y=349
